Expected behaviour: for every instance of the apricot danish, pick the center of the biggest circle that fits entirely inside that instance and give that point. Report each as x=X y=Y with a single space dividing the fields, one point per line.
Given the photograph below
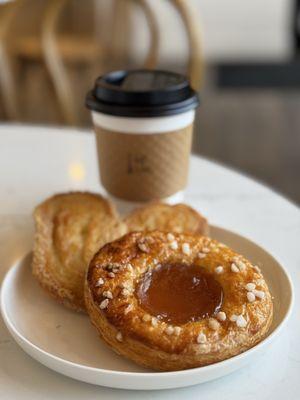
x=172 y=301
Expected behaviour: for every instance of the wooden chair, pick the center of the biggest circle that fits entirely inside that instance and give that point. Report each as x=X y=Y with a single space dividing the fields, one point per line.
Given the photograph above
x=191 y=23
x=20 y=28
x=62 y=50
x=7 y=82
x=26 y=34
x=41 y=36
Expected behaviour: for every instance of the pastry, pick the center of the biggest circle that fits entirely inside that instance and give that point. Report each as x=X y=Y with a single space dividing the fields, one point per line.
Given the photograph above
x=64 y=223
x=164 y=217
x=172 y=301
x=155 y=215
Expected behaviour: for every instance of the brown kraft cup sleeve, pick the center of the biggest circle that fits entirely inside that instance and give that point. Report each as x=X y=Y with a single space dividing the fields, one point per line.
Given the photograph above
x=143 y=167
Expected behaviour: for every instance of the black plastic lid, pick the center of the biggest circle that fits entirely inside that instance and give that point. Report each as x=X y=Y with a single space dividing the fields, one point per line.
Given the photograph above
x=142 y=93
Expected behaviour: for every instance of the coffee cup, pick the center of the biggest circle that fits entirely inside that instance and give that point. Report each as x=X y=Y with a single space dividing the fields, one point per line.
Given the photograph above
x=143 y=120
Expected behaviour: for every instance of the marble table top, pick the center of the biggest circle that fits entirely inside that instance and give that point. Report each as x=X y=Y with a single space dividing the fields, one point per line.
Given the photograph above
x=36 y=162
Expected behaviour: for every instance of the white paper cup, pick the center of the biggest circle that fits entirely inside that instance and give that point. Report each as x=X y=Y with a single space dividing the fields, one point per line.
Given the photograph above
x=143 y=140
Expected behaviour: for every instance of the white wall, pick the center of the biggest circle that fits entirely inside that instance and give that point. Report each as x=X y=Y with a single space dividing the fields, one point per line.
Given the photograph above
x=232 y=29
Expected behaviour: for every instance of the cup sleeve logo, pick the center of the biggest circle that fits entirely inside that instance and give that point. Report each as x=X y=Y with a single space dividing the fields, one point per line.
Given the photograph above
x=137 y=163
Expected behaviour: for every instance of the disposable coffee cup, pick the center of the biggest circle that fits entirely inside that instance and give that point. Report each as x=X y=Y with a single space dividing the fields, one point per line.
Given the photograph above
x=143 y=122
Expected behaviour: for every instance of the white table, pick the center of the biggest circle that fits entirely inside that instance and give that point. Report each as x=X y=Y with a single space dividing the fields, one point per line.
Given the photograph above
x=35 y=162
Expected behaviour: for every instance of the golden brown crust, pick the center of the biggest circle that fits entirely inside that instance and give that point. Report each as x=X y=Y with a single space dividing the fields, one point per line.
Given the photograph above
x=70 y=228
x=177 y=218
x=121 y=321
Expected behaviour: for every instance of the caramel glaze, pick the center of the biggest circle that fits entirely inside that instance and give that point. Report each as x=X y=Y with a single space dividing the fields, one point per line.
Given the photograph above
x=179 y=293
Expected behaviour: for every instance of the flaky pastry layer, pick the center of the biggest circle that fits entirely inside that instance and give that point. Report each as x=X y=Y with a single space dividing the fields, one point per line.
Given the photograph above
x=70 y=228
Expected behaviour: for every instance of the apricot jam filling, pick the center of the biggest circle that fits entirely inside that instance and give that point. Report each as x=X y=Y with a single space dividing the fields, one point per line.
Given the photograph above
x=179 y=293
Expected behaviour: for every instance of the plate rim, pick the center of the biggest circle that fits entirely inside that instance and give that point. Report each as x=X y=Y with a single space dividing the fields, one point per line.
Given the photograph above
x=146 y=375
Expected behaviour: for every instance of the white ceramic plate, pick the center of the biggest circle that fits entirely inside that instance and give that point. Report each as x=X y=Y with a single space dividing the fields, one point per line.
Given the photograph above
x=67 y=343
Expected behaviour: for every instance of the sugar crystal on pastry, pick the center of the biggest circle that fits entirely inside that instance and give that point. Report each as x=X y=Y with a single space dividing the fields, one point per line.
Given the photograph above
x=239 y=263
x=100 y=282
x=250 y=286
x=126 y=285
x=169 y=330
x=201 y=338
x=108 y=294
x=241 y=321
x=219 y=269
x=119 y=336
x=186 y=249
x=213 y=324
x=177 y=330
x=170 y=237
x=221 y=316
x=125 y=292
x=250 y=297
x=258 y=293
x=129 y=267
x=234 y=268
x=143 y=247
x=205 y=250
x=174 y=245
x=104 y=304
x=201 y=255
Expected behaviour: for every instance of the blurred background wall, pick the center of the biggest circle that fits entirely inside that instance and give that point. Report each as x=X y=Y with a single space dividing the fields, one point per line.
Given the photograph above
x=231 y=29
x=243 y=56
